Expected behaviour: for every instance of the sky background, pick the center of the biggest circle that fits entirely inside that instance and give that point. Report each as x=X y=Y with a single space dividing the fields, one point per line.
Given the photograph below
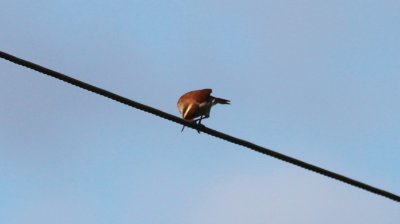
x=315 y=80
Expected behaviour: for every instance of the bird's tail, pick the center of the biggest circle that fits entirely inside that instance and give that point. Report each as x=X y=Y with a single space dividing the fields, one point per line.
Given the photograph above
x=222 y=101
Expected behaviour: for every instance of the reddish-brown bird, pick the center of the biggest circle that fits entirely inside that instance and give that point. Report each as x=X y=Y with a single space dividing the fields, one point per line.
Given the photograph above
x=198 y=103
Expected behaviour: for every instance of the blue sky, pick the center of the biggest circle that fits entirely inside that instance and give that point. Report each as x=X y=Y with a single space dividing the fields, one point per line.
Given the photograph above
x=316 y=80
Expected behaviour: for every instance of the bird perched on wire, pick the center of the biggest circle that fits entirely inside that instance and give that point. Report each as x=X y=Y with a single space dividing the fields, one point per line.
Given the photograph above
x=197 y=104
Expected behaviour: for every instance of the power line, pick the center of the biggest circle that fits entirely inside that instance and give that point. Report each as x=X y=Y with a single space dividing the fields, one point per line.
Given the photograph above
x=204 y=129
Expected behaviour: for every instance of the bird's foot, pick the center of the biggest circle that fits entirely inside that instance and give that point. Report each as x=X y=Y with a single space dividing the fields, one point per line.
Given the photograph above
x=198 y=122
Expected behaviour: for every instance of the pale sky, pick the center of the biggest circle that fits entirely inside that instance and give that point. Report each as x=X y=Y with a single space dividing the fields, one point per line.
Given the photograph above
x=315 y=80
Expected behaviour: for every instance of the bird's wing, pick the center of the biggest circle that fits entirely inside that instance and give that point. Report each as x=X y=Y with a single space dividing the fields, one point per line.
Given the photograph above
x=190 y=112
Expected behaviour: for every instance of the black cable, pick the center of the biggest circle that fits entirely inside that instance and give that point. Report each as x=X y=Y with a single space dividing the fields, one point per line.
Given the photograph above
x=201 y=128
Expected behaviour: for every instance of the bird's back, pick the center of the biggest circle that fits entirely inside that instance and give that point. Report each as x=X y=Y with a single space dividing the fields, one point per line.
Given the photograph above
x=197 y=96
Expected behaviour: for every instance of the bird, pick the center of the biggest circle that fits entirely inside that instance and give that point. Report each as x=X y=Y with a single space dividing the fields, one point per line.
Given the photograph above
x=197 y=104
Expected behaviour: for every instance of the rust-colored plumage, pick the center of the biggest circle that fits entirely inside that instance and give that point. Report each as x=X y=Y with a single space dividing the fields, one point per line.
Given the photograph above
x=198 y=103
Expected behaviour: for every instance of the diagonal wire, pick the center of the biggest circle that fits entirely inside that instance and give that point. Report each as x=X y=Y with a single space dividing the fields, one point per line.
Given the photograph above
x=201 y=128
